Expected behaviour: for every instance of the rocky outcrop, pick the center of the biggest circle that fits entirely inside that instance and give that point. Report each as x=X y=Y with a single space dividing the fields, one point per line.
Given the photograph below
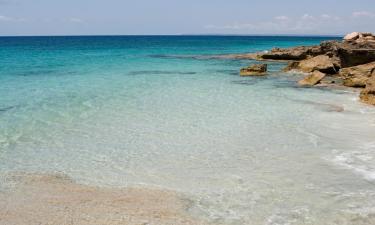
x=312 y=79
x=297 y=53
x=357 y=49
x=329 y=48
x=350 y=62
x=357 y=76
x=351 y=52
x=254 y=70
x=368 y=94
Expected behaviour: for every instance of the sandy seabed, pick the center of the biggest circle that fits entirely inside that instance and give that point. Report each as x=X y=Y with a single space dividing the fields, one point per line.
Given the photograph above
x=57 y=200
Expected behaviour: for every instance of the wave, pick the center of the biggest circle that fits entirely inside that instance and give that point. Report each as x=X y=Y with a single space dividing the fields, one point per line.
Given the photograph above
x=361 y=162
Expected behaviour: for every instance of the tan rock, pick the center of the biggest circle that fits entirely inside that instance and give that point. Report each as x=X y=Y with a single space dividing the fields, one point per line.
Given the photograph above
x=321 y=63
x=357 y=76
x=291 y=66
x=296 y=53
x=352 y=36
x=366 y=34
x=254 y=70
x=312 y=79
x=368 y=94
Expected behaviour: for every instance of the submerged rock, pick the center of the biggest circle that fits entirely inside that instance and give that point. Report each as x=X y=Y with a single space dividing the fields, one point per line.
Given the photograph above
x=312 y=79
x=368 y=94
x=254 y=70
x=331 y=81
x=357 y=76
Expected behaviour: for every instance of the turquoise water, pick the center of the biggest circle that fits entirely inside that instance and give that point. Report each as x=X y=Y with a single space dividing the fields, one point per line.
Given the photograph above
x=160 y=111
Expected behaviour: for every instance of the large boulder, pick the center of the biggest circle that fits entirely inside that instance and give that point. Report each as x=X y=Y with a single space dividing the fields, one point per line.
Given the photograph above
x=357 y=76
x=321 y=63
x=312 y=79
x=368 y=94
x=254 y=70
x=352 y=56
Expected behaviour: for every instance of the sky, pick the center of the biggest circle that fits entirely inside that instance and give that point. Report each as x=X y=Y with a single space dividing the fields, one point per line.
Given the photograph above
x=157 y=17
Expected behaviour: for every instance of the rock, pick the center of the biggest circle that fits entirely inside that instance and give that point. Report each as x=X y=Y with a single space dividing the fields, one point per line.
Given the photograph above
x=254 y=70
x=368 y=94
x=366 y=34
x=360 y=51
x=312 y=79
x=369 y=38
x=356 y=55
x=359 y=37
x=297 y=53
x=334 y=108
x=345 y=54
x=357 y=76
x=321 y=63
x=357 y=49
x=331 y=81
x=352 y=36
x=329 y=48
x=291 y=66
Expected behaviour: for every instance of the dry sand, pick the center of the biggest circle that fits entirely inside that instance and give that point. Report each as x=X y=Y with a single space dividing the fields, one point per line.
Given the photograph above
x=57 y=200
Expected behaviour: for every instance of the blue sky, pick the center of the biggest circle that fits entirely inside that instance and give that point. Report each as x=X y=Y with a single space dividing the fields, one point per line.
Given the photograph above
x=91 y=17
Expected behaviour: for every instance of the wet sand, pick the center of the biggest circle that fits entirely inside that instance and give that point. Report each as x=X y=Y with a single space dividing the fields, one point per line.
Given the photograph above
x=57 y=200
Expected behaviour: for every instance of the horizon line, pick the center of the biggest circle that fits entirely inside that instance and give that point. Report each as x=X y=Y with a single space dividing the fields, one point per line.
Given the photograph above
x=228 y=35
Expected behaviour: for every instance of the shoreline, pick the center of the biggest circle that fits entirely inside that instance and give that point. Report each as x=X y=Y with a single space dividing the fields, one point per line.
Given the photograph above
x=57 y=199
x=346 y=64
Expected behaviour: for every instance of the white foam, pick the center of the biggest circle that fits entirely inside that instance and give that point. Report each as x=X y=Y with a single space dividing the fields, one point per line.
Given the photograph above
x=360 y=162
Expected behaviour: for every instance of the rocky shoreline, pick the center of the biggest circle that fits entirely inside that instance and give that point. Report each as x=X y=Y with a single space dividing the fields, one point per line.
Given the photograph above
x=349 y=63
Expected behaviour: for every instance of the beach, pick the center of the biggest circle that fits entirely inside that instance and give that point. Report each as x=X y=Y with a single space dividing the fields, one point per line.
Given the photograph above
x=164 y=130
x=56 y=199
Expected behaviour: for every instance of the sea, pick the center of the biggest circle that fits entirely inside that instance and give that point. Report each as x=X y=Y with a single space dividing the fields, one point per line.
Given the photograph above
x=166 y=112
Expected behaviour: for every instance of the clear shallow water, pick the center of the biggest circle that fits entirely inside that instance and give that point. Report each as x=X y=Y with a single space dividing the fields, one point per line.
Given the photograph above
x=124 y=111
